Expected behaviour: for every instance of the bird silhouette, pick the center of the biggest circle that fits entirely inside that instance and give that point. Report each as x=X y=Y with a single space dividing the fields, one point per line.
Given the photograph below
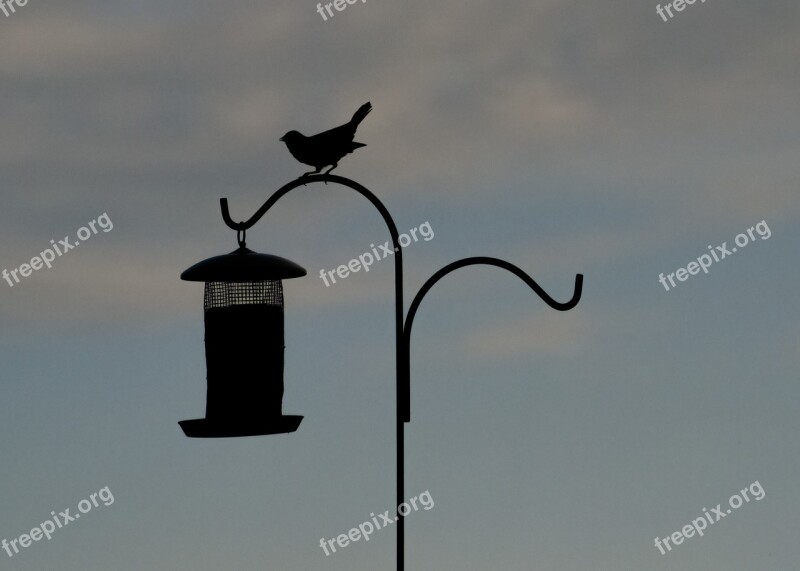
x=328 y=147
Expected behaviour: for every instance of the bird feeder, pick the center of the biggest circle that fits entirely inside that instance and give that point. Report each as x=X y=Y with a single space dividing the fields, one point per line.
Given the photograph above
x=244 y=344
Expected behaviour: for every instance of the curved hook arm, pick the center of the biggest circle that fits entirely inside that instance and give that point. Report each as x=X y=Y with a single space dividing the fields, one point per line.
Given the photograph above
x=480 y=260
x=286 y=188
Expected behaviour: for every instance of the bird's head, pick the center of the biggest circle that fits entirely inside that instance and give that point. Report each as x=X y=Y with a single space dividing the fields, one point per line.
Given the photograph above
x=291 y=137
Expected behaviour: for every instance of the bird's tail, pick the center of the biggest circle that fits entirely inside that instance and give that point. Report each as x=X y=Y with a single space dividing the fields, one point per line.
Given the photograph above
x=359 y=115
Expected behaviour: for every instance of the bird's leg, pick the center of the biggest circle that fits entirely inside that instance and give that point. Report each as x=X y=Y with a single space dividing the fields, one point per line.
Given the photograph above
x=330 y=169
x=305 y=174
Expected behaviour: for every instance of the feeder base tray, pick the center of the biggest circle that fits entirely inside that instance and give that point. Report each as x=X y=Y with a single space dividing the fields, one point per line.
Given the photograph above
x=204 y=428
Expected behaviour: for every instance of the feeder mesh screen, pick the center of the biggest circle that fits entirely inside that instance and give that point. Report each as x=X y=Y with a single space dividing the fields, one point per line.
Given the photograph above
x=224 y=294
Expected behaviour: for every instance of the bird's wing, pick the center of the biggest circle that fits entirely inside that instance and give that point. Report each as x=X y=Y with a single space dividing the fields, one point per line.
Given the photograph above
x=343 y=133
x=336 y=136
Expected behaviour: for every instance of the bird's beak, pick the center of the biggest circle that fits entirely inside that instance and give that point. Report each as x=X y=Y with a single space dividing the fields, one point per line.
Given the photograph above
x=282 y=139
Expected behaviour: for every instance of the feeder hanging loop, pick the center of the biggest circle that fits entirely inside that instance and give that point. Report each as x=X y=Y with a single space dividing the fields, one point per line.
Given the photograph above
x=240 y=236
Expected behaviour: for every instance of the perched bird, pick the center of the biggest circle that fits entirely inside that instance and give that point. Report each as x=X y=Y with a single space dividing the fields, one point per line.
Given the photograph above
x=329 y=147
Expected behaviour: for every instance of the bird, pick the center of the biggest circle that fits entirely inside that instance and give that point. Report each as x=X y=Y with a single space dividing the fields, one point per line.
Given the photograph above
x=329 y=147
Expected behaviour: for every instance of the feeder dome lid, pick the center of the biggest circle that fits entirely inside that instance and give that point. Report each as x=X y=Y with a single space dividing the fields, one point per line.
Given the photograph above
x=243 y=265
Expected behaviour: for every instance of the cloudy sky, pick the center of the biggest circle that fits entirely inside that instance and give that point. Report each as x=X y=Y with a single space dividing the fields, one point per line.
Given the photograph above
x=565 y=137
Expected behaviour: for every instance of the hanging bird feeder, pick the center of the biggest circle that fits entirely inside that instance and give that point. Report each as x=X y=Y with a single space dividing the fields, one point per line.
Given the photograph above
x=244 y=344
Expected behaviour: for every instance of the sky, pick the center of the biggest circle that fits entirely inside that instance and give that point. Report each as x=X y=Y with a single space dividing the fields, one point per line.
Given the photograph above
x=565 y=137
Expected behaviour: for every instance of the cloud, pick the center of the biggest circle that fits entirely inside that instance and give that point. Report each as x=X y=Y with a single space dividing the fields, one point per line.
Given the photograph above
x=160 y=113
